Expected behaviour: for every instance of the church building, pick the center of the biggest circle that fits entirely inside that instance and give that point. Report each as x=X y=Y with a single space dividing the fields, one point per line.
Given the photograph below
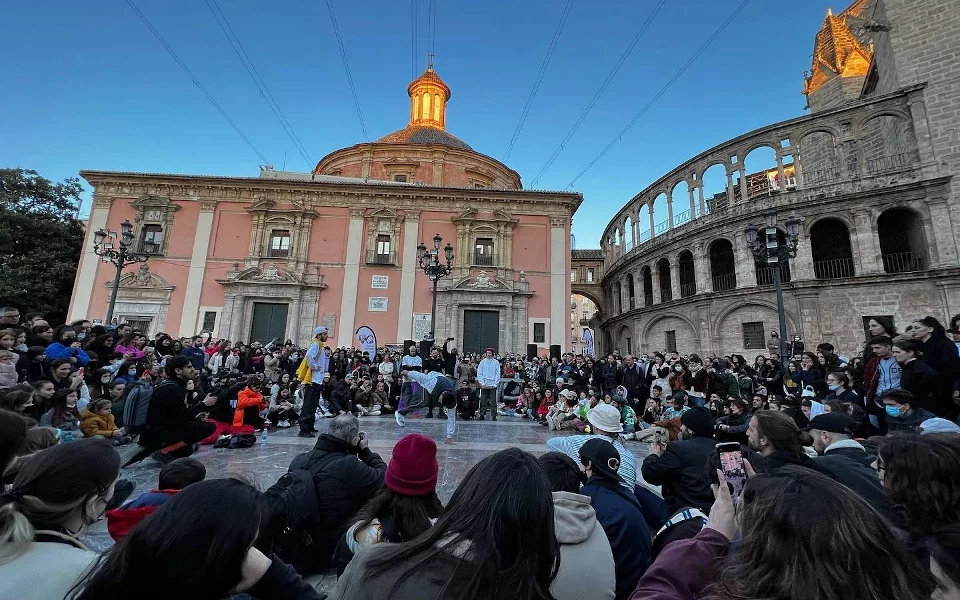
x=252 y=258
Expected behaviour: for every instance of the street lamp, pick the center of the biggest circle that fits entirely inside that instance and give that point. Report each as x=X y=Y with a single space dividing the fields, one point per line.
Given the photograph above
x=429 y=259
x=767 y=247
x=103 y=246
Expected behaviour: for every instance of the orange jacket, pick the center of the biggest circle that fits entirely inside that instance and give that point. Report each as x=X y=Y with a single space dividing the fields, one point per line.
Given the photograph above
x=245 y=399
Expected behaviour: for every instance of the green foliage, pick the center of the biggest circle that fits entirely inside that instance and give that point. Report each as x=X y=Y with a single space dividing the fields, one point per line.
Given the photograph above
x=40 y=241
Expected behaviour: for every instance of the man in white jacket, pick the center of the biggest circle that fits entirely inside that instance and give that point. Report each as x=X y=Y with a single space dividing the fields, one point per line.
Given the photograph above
x=319 y=363
x=488 y=376
x=586 y=560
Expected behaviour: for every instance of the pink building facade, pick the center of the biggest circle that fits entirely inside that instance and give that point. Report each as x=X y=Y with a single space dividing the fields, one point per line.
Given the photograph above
x=276 y=255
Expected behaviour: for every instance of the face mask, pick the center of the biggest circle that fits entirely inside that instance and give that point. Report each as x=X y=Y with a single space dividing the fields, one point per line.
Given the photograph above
x=105 y=379
x=678 y=369
x=892 y=411
x=833 y=387
x=132 y=372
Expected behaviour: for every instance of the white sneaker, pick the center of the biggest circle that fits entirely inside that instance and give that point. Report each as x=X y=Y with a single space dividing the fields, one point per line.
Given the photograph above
x=374 y=413
x=400 y=419
x=283 y=423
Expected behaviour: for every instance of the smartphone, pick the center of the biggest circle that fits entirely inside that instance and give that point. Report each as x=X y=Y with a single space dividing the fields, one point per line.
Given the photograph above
x=731 y=463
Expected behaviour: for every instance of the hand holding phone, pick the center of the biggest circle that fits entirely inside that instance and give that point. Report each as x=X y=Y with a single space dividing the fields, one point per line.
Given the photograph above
x=732 y=466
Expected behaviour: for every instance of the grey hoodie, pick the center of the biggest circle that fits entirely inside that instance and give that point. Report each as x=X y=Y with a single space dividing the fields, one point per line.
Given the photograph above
x=586 y=561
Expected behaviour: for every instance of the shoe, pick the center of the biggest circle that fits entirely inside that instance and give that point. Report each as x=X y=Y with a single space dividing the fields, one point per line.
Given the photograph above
x=122 y=490
x=306 y=434
x=163 y=459
x=284 y=423
x=448 y=441
x=374 y=413
x=400 y=418
x=442 y=414
x=430 y=415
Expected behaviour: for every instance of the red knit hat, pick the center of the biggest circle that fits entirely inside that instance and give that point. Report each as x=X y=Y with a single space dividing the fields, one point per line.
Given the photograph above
x=413 y=468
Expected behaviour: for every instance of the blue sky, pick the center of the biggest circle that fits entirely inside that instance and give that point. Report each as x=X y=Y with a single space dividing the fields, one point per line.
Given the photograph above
x=88 y=86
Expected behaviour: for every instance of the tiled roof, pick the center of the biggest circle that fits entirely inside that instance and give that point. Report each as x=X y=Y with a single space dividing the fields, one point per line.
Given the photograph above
x=587 y=254
x=428 y=136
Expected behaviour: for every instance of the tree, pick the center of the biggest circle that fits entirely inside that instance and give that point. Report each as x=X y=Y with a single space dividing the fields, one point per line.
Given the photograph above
x=40 y=241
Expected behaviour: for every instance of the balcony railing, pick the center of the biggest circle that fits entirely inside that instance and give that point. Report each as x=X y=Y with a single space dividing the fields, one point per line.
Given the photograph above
x=903 y=262
x=681 y=218
x=278 y=252
x=648 y=299
x=724 y=282
x=661 y=227
x=666 y=294
x=379 y=258
x=838 y=268
x=882 y=164
x=765 y=274
x=486 y=259
x=688 y=289
x=816 y=176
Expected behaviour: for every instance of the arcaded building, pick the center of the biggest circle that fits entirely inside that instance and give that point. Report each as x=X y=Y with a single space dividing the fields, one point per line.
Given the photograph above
x=871 y=171
x=249 y=258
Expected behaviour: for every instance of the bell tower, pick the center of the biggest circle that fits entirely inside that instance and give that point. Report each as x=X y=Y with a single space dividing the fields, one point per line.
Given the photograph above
x=428 y=99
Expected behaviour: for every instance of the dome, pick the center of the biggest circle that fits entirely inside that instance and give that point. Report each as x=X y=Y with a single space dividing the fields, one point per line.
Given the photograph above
x=428 y=136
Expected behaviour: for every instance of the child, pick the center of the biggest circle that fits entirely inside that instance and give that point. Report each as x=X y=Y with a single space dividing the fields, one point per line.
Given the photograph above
x=627 y=415
x=173 y=478
x=448 y=400
x=100 y=421
x=565 y=414
x=64 y=414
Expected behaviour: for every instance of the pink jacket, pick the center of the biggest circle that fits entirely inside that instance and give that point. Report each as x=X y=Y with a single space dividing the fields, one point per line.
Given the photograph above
x=684 y=569
x=137 y=354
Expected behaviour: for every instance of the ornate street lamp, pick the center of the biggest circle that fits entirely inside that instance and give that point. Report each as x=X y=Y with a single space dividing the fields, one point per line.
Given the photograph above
x=767 y=247
x=103 y=246
x=429 y=259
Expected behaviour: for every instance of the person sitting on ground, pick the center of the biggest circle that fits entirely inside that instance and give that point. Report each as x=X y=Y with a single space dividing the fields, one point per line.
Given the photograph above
x=407 y=505
x=346 y=475
x=680 y=467
x=502 y=547
x=365 y=401
x=55 y=497
x=921 y=474
x=173 y=478
x=284 y=407
x=467 y=400
x=902 y=411
x=605 y=423
x=586 y=561
x=100 y=422
x=678 y=405
x=565 y=414
x=172 y=427
x=63 y=413
x=618 y=512
x=846 y=531
x=197 y=536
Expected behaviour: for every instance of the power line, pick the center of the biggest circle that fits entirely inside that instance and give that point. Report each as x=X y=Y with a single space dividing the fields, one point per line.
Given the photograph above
x=414 y=9
x=601 y=90
x=346 y=67
x=195 y=81
x=251 y=69
x=539 y=78
x=432 y=25
x=663 y=90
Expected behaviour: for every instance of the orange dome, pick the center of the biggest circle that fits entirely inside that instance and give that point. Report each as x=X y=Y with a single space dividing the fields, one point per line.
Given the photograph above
x=421 y=134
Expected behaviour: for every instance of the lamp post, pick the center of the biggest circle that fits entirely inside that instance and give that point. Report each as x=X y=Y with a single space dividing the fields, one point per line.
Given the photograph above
x=120 y=256
x=429 y=259
x=768 y=248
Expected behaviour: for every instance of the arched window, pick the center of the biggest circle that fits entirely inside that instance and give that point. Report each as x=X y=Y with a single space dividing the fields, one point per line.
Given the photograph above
x=723 y=271
x=902 y=243
x=628 y=236
x=687 y=272
x=426 y=106
x=765 y=270
x=647 y=286
x=666 y=287
x=630 y=292
x=619 y=298
x=830 y=246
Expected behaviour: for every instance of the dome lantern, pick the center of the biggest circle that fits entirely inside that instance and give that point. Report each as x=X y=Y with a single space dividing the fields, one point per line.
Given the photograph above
x=428 y=100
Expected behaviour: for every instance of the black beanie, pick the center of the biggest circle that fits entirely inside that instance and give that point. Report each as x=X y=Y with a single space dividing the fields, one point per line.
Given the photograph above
x=698 y=420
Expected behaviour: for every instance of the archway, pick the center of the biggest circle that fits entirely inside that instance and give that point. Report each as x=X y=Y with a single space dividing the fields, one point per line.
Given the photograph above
x=723 y=271
x=660 y=221
x=647 y=286
x=714 y=182
x=759 y=164
x=630 y=292
x=830 y=246
x=628 y=235
x=663 y=272
x=687 y=273
x=681 y=203
x=902 y=243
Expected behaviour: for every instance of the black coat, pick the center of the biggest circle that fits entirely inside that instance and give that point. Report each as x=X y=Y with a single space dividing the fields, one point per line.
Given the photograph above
x=682 y=473
x=344 y=485
x=851 y=467
x=611 y=376
x=922 y=381
x=635 y=382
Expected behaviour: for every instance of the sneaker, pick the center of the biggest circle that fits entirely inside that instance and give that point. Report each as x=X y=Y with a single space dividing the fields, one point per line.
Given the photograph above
x=305 y=434
x=122 y=490
x=374 y=413
x=400 y=418
x=284 y=423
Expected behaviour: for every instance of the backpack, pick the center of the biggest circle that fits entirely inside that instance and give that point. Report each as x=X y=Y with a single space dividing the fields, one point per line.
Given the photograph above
x=137 y=406
x=291 y=515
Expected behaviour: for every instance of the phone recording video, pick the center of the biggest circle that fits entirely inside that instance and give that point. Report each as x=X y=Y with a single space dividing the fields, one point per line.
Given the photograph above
x=731 y=463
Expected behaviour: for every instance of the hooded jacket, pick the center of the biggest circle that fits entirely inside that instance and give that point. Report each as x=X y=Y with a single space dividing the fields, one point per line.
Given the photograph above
x=92 y=424
x=121 y=520
x=586 y=560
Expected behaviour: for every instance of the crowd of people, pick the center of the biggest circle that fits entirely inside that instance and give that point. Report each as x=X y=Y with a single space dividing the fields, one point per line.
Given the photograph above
x=821 y=475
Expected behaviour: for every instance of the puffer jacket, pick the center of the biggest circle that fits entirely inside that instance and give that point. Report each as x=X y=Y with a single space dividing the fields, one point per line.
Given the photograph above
x=586 y=560
x=92 y=424
x=344 y=484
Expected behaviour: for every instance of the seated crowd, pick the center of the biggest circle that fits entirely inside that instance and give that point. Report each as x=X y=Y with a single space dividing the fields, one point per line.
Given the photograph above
x=844 y=482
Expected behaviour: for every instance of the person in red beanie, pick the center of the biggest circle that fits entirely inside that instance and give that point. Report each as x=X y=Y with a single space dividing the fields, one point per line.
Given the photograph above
x=407 y=506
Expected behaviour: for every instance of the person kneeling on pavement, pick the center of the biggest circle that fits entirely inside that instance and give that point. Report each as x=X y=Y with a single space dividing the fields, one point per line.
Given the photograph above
x=173 y=478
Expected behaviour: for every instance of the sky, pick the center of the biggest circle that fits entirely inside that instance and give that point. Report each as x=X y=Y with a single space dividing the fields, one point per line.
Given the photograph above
x=91 y=88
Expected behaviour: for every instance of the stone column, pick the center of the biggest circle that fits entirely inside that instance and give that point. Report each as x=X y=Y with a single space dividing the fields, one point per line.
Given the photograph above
x=89 y=262
x=746 y=265
x=559 y=280
x=744 y=191
x=670 y=211
x=675 y=278
x=802 y=267
x=941 y=229
x=780 y=173
x=650 y=214
x=703 y=203
x=866 y=244
x=198 y=264
x=701 y=268
x=351 y=279
x=293 y=319
x=655 y=282
x=408 y=274
x=730 y=199
x=692 y=202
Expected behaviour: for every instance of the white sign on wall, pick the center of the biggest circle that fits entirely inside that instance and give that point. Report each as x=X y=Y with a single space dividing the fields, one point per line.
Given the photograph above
x=379 y=282
x=421 y=325
x=377 y=304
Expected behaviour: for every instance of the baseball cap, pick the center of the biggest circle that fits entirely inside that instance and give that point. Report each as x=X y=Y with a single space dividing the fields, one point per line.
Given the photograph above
x=603 y=457
x=832 y=422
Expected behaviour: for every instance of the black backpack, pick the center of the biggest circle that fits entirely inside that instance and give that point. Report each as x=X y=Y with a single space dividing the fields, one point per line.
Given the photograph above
x=291 y=515
x=137 y=406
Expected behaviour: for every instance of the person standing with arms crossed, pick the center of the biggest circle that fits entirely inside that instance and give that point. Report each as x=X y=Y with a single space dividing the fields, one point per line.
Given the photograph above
x=488 y=375
x=319 y=363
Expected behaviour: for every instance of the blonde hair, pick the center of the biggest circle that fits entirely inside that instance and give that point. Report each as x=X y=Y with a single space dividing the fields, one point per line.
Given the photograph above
x=21 y=516
x=6 y=354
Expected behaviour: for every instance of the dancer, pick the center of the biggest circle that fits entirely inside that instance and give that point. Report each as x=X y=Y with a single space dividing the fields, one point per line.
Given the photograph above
x=436 y=385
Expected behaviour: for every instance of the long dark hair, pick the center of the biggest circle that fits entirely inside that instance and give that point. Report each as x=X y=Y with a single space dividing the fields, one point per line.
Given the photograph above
x=848 y=551
x=410 y=514
x=508 y=540
x=921 y=473
x=192 y=547
x=782 y=432
x=58 y=404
